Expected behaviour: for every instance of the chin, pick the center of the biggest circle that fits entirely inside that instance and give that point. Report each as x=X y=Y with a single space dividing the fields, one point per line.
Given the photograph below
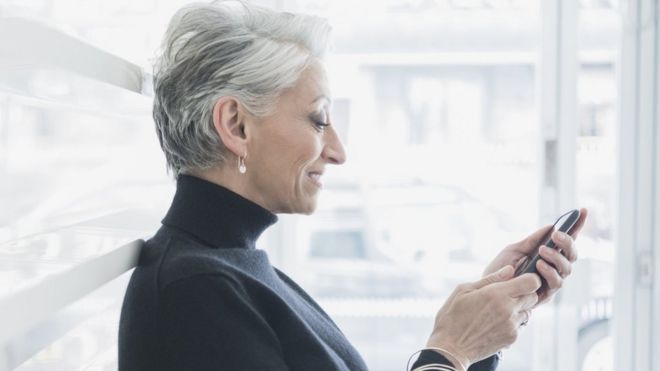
x=307 y=207
x=308 y=212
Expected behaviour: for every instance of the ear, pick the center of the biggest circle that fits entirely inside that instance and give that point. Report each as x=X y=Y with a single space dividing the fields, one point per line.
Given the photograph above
x=229 y=123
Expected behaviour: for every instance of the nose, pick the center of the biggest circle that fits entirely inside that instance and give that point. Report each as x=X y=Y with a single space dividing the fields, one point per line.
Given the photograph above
x=333 y=151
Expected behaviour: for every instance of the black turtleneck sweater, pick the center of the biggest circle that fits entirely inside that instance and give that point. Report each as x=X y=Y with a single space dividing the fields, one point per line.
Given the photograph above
x=204 y=298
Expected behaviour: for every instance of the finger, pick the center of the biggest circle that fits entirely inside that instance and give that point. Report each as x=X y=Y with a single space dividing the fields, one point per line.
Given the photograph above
x=562 y=240
x=520 y=262
x=526 y=301
x=557 y=260
x=575 y=231
x=522 y=285
x=503 y=274
x=565 y=244
x=550 y=275
x=533 y=241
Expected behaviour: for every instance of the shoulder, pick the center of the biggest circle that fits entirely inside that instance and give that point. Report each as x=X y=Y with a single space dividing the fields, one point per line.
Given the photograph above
x=175 y=256
x=217 y=302
x=202 y=289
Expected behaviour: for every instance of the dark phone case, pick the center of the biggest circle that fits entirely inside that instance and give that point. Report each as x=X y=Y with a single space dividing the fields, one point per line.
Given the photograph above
x=567 y=225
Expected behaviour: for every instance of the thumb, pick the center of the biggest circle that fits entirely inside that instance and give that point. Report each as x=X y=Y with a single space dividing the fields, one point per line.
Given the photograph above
x=533 y=241
x=503 y=274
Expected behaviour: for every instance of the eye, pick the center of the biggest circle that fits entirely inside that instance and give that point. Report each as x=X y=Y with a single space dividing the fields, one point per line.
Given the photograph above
x=319 y=122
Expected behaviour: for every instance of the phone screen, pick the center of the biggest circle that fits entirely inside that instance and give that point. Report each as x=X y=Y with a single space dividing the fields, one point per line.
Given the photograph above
x=564 y=224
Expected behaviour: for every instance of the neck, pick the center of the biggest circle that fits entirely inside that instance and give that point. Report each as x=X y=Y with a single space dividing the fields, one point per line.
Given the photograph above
x=216 y=214
x=230 y=178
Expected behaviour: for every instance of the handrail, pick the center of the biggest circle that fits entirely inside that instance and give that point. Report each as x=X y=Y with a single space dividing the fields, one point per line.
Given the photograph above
x=32 y=43
x=22 y=310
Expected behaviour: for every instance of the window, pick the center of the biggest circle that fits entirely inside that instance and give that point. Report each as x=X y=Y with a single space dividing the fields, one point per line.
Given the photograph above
x=442 y=142
x=437 y=103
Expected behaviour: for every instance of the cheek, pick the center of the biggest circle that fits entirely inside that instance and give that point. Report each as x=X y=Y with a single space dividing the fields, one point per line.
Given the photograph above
x=304 y=154
x=287 y=157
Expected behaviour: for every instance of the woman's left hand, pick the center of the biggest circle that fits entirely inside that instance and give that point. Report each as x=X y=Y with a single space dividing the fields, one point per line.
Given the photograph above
x=555 y=266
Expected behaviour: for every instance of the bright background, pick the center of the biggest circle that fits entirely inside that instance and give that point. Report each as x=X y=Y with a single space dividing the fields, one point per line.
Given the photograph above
x=438 y=105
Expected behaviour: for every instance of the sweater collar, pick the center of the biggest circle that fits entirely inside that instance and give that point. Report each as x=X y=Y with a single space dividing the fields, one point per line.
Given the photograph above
x=216 y=215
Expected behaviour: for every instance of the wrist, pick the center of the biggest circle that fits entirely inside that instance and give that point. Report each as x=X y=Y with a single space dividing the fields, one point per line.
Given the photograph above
x=461 y=362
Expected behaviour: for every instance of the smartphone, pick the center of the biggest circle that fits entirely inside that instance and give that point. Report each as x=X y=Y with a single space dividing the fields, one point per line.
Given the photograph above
x=565 y=224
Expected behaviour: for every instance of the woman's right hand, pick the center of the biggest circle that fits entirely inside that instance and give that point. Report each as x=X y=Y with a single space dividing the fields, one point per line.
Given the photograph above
x=480 y=318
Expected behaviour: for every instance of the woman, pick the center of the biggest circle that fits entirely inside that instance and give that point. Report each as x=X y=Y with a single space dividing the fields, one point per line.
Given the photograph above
x=242 y=113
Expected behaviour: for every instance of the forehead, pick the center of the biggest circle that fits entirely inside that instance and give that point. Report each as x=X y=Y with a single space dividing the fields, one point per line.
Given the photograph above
x=311 y=84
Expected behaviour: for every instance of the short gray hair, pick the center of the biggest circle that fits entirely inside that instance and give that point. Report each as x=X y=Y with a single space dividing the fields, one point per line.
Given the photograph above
x=225 y=48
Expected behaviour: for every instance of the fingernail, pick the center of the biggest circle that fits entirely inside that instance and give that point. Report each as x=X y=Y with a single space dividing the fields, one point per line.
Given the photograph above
x=502 y=271
x=561 y=236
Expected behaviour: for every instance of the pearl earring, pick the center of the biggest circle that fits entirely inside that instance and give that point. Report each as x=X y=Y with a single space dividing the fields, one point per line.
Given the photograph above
x=241 y=165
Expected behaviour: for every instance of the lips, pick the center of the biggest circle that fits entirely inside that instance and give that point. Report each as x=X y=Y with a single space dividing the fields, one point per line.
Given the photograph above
x=315 y=177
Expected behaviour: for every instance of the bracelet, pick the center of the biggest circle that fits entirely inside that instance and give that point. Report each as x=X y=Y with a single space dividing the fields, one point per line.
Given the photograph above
x=451 y=355
x=437 y=366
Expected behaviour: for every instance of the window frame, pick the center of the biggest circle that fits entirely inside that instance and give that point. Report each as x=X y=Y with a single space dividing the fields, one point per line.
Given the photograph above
x=636 y=328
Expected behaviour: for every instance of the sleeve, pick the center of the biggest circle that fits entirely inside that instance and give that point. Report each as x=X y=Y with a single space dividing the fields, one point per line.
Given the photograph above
x=209 y=323
x=428 y=357
x=486 y=364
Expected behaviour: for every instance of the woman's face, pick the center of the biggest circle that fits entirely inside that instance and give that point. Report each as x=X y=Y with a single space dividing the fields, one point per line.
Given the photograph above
x=288 y=150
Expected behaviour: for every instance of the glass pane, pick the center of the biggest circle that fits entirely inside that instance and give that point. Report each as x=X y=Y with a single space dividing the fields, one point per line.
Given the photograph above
x=436 y=103
x=438 y=113
x=75 y=151
x=65 y=161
